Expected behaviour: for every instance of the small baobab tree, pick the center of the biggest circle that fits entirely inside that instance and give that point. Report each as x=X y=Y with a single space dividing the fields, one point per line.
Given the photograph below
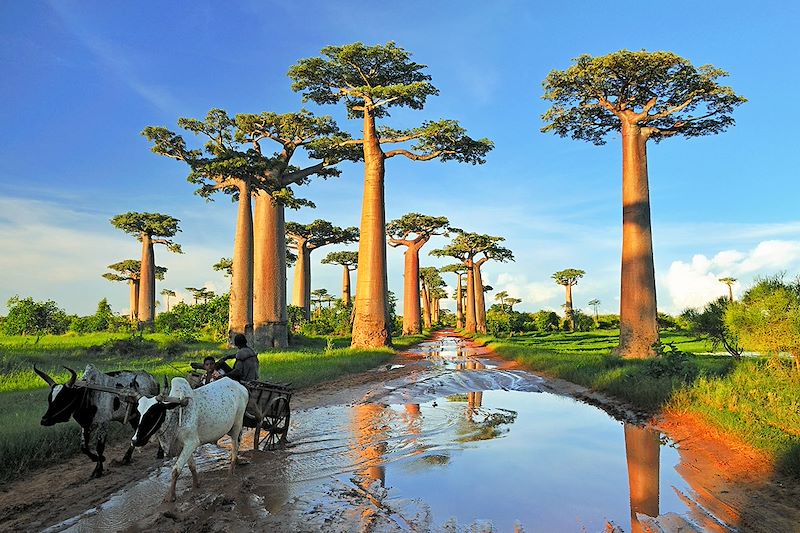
x=431 y=280
x=413 y=230
x=511 y=302
x=130 y=270
x=459 y=269
x=467 y=247
x=370 y=80
x=318 y=296
x=729 y=282
x=501 y=298
x=594 y=304
x=643 y=96
x=167 y=294
x=568 y=278
x=436 y=295
x=349 y=263
x=307 y=238
x=150 y=229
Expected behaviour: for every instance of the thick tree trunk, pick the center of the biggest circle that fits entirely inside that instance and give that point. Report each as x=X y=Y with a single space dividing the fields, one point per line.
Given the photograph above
x=637 y=316
x=241 y=297
x=459 y=306
x=301 y=291
x=426 y=307
x=480 y=304
x=411 y=325
x=346 y=286
x=469 y=314
x=435 y=312
x=147 y=283
x=371 y=321
x=270 y=322
x=642 y=451
x=568 y=308
x=134 y=299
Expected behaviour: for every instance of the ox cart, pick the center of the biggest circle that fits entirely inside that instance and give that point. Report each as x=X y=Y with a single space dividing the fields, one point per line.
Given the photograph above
x=268 y=410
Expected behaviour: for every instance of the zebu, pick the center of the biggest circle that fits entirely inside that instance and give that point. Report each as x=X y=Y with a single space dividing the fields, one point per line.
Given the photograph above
x=93 y=410
x=191 y=417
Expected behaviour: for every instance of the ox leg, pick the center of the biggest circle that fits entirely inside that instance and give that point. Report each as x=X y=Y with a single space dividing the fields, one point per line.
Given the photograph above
x=126 y=459
x=193 y=470
x=235 y=434
x=257 y=434
x=160 y=452
x=183 y=458
x=86 y=437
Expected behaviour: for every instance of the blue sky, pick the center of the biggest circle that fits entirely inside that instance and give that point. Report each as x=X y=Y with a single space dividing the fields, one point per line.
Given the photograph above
x=81 y=79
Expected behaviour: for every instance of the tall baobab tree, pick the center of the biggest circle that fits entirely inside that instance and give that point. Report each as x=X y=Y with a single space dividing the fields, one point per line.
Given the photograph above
x=459 y=269
x=431 y=280
x=436 y=295
x=568 y=278
x=167 y=294
x=595 y=303
x=729 y=282
x=467 y=247
x=413 y=230
x=349 y=263
x=130 y=270
x=150 y=229
x=642 y=95
x=233 y=161
x=307 y=238
x=370 y=80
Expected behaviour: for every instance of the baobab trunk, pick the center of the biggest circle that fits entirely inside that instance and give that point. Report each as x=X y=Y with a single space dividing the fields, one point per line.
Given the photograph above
x=301 y=291
x=241 y=297
x=459 y=306
x=411 y=325
x=730 y=293
x=134 y=299
x=147 y=282
x=470 y=325
x=371 y=321
x=435 y=313
x=346 y=286
x=270 y=323
x=480 y=304
x=568 y=308
x=638 y=327
x=426 y=307
x=642 y=452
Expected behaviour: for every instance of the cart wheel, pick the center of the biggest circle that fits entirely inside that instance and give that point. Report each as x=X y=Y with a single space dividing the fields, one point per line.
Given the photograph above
x=276 y=423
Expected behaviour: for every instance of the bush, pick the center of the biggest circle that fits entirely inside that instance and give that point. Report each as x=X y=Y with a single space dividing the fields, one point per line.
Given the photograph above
x=210 y=318
x=546 y=320
x=670 y=361
x=27 y=317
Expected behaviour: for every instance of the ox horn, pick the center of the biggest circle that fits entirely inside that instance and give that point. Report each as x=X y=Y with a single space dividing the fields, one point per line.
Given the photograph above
x=72 y=378
x=47 y=379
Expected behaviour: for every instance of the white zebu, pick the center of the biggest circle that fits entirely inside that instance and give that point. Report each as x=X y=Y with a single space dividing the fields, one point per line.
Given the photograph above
x=209 y=413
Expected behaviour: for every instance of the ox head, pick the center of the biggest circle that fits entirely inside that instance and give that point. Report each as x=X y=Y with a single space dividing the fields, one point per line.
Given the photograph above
x=152 y=413
x=63 y=399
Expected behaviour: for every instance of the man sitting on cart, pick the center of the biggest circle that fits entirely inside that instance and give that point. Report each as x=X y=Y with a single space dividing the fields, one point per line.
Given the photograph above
x=246 y=366
x=212 y=372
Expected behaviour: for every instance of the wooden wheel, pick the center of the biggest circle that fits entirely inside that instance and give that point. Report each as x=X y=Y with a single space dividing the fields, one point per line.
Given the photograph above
x=276 y=423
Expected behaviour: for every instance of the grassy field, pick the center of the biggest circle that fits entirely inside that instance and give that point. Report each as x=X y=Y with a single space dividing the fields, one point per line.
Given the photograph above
x=755 y=399
x=23 y=400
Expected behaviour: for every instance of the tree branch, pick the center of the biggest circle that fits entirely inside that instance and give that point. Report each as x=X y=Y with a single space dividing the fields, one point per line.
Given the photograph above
x=299 y=175
x=417 y=157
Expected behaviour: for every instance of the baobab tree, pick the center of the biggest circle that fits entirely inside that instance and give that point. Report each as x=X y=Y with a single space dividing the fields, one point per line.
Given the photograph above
x=200 y=294
x=501 y=297
x=370 y=80
x=130 y=270
x=318 y=296
x=431 y=280
x=233 y=161
x=413 y=230
x=568 y=278
x=729 y=282
x=167 y=294
x=511 y=301
x=595 y=303
x=459 y=269
x=224 y=265
x=436 y=294
x=150 y=229
x=307 y=238
x=466 y=247
x=642 y=95
x=349 y=262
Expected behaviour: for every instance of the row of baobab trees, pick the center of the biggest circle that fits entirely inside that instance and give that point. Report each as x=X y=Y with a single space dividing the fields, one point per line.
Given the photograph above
x=640 y=95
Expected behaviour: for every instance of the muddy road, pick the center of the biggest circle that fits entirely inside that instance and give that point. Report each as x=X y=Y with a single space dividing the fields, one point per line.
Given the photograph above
x=446 y=438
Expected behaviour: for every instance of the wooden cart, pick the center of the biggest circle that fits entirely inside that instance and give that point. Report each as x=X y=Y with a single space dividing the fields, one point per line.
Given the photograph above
x=268 y=409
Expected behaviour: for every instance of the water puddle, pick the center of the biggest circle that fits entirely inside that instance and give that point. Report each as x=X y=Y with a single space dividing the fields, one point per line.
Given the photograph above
x=461 y=445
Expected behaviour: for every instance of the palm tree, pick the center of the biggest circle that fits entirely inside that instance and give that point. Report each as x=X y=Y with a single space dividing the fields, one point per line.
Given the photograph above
x=594 y=303
x=501 y=297
x=167 y=293
x=511 y=301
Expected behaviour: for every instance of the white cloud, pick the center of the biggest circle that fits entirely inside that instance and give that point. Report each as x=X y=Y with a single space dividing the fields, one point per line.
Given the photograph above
x=695 y=283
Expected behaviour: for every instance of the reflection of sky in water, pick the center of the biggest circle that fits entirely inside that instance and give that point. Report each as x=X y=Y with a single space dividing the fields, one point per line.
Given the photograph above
x=560 y=466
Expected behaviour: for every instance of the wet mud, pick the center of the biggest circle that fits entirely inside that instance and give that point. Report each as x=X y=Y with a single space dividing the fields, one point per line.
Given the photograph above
x=446 y=438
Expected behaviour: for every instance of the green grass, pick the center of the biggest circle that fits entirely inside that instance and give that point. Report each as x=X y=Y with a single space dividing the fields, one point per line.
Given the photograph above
x=755 y=399
x=23 y=398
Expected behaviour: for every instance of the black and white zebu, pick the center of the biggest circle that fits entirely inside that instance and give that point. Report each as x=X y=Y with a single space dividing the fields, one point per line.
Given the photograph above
x=190 y=417
x=93 y=410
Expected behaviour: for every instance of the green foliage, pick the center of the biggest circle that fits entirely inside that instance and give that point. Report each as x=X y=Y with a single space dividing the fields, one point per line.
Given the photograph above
x=152 y=224
x=422 y=227
x=344 y=258
x=333 y=320
x=28 y=317
x=500 y=321
x=465 y=246
x=767 y=318
x=545 y=320
x=321 y=233
x=670 y=361
x=104 y=319
x=568 y=277
x=711 y=322
x=660 y=91
x=607 y=321
x=205 y=319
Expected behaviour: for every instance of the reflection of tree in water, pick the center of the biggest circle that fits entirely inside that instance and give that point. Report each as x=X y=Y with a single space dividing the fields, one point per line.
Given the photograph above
x=642 y=449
